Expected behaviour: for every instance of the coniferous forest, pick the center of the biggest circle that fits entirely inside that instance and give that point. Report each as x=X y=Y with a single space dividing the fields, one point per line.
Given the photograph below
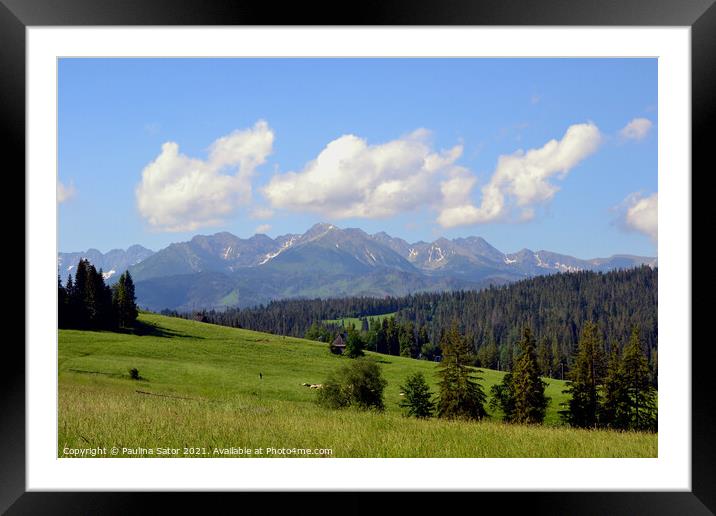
x=555 y=308
x=596 y=330
x=86 y=302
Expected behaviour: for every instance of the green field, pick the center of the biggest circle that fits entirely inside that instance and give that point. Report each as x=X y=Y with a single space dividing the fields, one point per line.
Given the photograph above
x=355 y=321
x=200 y=390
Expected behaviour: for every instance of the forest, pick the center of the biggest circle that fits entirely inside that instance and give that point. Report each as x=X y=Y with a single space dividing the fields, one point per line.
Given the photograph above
x=86 y=302
x=554 y=307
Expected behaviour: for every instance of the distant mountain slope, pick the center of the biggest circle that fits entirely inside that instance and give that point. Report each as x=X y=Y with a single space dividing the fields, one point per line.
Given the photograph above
x=212 y=271
x=113 y=263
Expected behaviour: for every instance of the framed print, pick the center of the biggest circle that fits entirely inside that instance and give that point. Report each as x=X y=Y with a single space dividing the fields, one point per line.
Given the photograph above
x=387 y=317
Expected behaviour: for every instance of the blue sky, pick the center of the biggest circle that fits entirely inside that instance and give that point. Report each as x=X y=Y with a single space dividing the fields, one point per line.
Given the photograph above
x=555 y=154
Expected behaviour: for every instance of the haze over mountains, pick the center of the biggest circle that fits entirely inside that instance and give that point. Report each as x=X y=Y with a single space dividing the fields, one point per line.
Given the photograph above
x=326 y=261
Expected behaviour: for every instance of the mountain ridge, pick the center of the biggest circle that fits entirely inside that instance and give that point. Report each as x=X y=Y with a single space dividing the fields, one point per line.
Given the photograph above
x=214 y=271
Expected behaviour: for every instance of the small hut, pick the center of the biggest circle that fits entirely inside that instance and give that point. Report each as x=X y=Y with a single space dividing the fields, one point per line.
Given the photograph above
x=338 y=346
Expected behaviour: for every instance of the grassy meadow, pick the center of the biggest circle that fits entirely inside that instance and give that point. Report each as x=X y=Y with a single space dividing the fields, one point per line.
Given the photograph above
x=199 y=394
x=356 y=322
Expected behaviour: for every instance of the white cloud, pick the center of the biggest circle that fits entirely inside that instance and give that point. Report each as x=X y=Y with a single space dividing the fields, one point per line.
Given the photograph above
x=263 y=228
x=179 y=193
x=637 y=129
x=65 y=193
x=642 y=214
x=521 y=179
x=350 y=178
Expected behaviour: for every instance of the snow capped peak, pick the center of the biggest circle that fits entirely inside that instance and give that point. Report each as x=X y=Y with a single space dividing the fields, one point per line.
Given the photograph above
x=108 y=274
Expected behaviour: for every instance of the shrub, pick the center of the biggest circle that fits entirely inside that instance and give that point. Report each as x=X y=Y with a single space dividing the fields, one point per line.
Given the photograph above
x=359 y=383
x=354 y=344
x=134 y=373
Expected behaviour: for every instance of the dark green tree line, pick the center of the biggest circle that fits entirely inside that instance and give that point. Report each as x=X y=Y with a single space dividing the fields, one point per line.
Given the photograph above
x=86 y=302
x=556 y=308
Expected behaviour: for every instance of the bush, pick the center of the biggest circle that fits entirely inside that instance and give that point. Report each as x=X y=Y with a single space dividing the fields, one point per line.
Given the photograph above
x=354 y=345
x=359 y=383
x=134 y=373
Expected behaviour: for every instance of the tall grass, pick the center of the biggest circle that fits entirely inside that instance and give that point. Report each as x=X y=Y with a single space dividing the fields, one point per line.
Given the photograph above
x=200 y=389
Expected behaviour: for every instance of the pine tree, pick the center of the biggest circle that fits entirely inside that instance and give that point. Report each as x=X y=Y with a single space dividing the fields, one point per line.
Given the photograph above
x=423 y=338
x=71 y=302
x=503 y=398
x=78 y=296
x=586 y=377
x=130 y=308
x=381 y=338
x=312 y=333
x=417 y=396
x=406 y=339
x=544 y=357
x=62 y=305
x=530 y=402
x=124 y=301
x=639 y=394
x=614 y=407
x=461 y=394
x=102 y=315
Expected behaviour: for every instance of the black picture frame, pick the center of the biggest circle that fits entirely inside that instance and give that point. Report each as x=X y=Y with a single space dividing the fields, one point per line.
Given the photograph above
x=700 y=15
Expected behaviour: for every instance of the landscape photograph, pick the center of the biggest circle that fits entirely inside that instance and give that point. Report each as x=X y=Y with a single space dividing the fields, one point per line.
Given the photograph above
x=357 y=258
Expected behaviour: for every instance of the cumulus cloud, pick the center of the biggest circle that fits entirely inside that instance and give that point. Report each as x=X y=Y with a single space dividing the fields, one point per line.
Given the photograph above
x=180 y=193
x=65 y=193
x=351 y=178
x=641 y=214
x=521 y=180
x=637 y=129
x=263 y=228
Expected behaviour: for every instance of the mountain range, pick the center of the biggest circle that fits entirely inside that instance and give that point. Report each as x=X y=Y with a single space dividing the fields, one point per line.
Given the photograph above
x=215 y=271
x=113 y=263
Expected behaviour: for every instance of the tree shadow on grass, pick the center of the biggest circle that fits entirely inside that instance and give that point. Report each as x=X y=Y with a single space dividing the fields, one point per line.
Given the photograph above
x=143 y=329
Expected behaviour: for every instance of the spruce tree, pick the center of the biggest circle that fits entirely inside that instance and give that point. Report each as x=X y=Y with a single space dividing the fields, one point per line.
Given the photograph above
x=406 y=339
x=71 y=302
x=124 y=301
x=544 y=357
x=78 y=295
x=417 y=396
x=461 y=395
x=586 y=378
x=614 y=407
x=530 y=402
x=503 y=398
x=62 y=304
x=639 y=394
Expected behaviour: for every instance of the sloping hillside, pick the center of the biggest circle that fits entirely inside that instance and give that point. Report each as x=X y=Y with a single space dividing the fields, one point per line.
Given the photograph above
x=214 y=387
